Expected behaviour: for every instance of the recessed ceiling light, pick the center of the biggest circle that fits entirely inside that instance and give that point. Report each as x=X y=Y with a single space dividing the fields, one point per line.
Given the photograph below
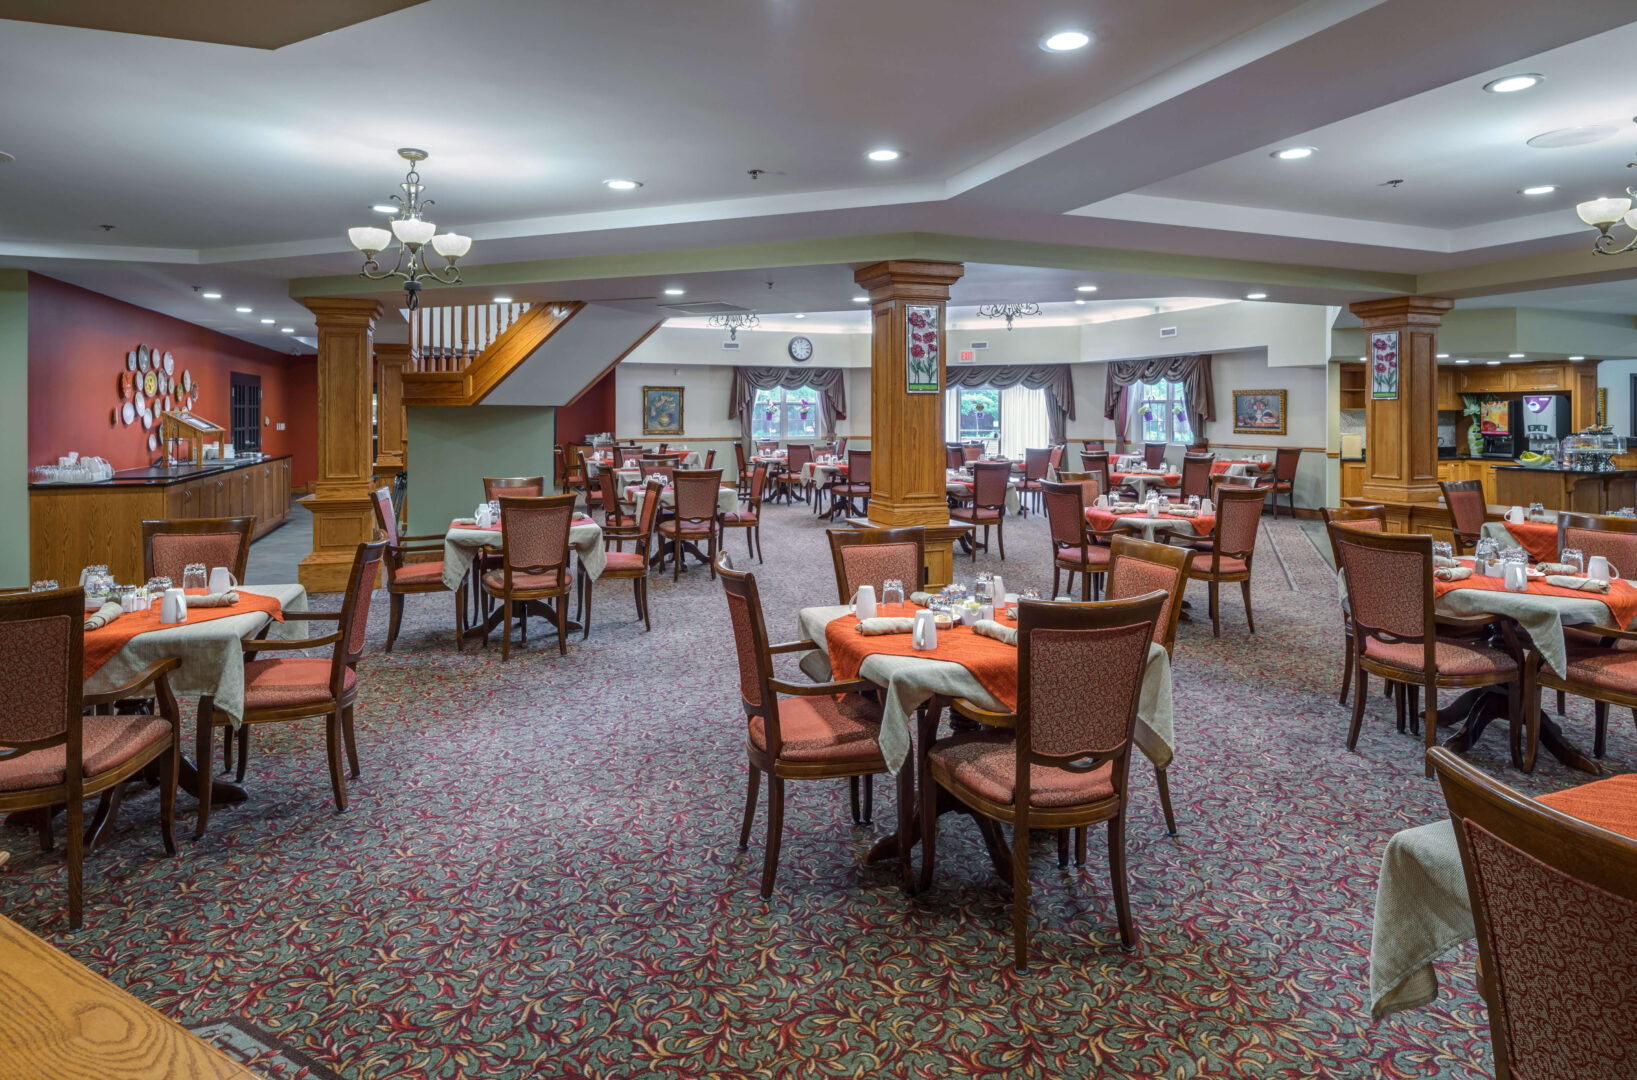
x=287 y=329
x=502 y=300
x=882 y=154
x=622 y=185
x=244 y=310
x=1085 y=288
x=1577 y=358
x=1511 y=84
x=801 y=315
x=1463 y=361
x=1256 y=296
x=1078 y=301
x=1065 y=41
x=1492 y=363
x=861 y=299
x=1293 y=153
x=384 y=208
x=268 y=322
x=1363 y=359
x=675 y=292
x=1442 y=356
x=211 y=295
x=1514 y=356
x=1539 y=189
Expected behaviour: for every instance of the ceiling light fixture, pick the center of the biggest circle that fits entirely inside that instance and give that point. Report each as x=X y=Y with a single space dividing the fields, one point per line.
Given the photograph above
x=244 y=310
x=801 y=315
x=384 y=208
x=1442 y=356
x=675 y=292
x=1514 y=356
x=1492 y=363
x=268 y=322
x=735 y=321
x=1539 y=189
x=1065 y=41
x=1605 y=213
x=1293 y=153
x=1085 y=288
x=502 y=300
x=883 y=154
x=861 y=299
x=287 y=329
x=1511 y=84
x=1008 y=311
x=1256 y=296
x=414 y=232
x=211 y=295
x=622 y=185
x=1463 y=361
x=1577 y=358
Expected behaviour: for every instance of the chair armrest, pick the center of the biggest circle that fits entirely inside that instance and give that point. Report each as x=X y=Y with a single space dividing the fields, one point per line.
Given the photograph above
x=288 y=615
x=791 y=646
x=984 y=716
x=287 y=644
x=1469 y=622
x=406 y=541
x=852 y=686
x=145 y=677
x=1606 y=631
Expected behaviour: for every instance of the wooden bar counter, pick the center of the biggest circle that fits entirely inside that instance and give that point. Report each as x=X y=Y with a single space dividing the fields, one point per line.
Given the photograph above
x=72 y=526
x=1566 y=489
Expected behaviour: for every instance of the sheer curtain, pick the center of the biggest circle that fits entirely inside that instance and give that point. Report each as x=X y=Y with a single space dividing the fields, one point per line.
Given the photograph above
x=1023 y=422
x=952 y=416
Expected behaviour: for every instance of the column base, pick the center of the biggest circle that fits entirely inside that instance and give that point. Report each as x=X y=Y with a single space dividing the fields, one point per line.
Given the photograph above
x=1420 y=492
x=938 y=547
x=339 y=526
x=896 y=514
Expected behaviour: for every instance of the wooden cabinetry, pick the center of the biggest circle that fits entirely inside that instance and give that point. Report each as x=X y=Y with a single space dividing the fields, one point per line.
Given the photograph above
x=1522 y=379
x=1449 y=399
x=1352 y=479
x=1354 y=388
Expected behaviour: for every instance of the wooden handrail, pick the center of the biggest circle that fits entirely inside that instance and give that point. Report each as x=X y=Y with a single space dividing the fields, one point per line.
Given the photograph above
x=448 y=339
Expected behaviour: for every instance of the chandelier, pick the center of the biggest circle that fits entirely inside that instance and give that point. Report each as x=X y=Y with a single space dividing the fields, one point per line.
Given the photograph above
x=1008 y=311
x=733 y=322
x=413 y=232
x=1605 y=213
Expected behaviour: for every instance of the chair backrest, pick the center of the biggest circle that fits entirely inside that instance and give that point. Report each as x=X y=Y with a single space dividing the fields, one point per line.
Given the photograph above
x=739 y=457
x=696 y=493
x=858 y=466
x=841 y=446
x=1153 y=454
x=1285 y=460
x=767 y=447
x=44 y=636
x=1389 y=583
x=1139 y=567
x=750 y=645
x=652 y=465
x=1080 y=673
x=1554 y=902
x=797 y=456
x=386 y=516
x=1371 y=518
x=648 y=514
x=1065 y=515
x=1465 y=501
x=710 y=459
x=169 y=546
x=954 y=458
x=1035 y=463
x=559 y=469
x=758 y=480
x=521 y=487
x=354 y=622
x=1056 y=461
x=1097 y=461
x=989 y=479
x=1613 y=538
x=1238 y=520
x=1196 y=475
x=1094 y=446
x=620 y=455
x=972 y=451
x=1090 y=482
x=534 y=536
x=611 y=499
x=871 y=556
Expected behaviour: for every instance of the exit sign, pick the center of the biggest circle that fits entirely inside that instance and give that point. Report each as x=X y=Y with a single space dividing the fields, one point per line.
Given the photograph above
x=967 y=356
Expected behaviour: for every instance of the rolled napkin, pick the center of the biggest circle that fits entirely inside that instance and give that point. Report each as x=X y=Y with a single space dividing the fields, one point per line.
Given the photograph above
x=875 y=627
x=1542 y=519
x=220 y=599
x=1557 y=568
x=1452 y=573
x=1582 y=584
x=1180 y=511
x=991 y=629
x=466 y=521
x=1125 y=508
x=104 y=615
x=1444 y=562
x=922 y=599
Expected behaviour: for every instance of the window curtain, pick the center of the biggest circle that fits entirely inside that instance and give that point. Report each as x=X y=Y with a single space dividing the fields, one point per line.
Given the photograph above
x=1193 y=372
x=952 y=416
x=1023 y=422
x=829 y=382
x=1054 y=379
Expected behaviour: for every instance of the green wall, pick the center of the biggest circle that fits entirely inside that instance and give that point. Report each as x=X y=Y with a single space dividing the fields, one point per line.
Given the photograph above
x=14 y=568
x=452 y=448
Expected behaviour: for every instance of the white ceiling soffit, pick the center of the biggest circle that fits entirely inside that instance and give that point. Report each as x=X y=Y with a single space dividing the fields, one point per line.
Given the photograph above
x=572 y=358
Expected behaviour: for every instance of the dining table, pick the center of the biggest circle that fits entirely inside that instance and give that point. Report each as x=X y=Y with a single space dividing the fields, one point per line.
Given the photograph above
x=1142 y=481
x=1199 y=526
x=958 y=485
x=1422 y=906
x=1536 y=534
x=464 y=541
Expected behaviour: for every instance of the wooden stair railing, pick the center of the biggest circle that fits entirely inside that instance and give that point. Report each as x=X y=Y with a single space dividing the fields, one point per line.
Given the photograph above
x=450 y=338
x=473 y=379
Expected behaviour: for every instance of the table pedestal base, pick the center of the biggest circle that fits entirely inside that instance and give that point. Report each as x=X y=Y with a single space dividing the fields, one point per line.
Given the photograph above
x=1477 y=708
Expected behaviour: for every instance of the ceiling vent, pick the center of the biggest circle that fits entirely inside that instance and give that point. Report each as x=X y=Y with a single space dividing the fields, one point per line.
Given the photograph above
x=978 y=345
x=704 y=307
x=730 y=346
x=1168 y=331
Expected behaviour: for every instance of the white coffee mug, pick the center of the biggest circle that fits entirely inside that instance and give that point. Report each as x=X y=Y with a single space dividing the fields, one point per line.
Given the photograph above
x=221 y=580
x=174 y=607
x=924 y=634
x=1516 y=577
x=1598 y=567
x=865 y=601
x=1515 y=515
x=998 y=589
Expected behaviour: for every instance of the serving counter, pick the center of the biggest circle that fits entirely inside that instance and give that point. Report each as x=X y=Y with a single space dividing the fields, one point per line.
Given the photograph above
x=1566 y=489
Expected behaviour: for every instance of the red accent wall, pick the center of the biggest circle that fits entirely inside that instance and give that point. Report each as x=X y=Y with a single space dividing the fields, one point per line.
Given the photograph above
x=77 y=341
x=593 y=413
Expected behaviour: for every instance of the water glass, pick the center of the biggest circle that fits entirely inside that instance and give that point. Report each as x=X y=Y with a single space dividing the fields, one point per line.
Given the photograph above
x=1576 y=558
x=157 y=586
x=1536 y=510
x=194 y=576
x=1442 y=549
x=1029 y=594
x=892 y=591
x=1193 y=502
x=43 y=586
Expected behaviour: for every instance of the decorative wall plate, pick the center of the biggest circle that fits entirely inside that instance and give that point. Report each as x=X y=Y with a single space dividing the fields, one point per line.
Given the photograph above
x=130 y=360
x=141 y=401
x=144 y=358
x=147 y=420
x=150 y=383
x=165 y=404
x=153 y=441
x=187 y=380
x=127 y=412
x=170 y=362
x=165 y=383
x=127 y=385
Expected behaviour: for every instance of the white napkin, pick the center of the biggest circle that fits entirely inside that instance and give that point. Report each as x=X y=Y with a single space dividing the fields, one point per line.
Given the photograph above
x=1182 y=511
x=1557 y=568
x=1452 y=573
x=466 y=521
x=921 y=599
x=104 y=615
x=221 y=599
x=991 y=629
x=876 y=627
x=1443 y=562
x=1581 y=584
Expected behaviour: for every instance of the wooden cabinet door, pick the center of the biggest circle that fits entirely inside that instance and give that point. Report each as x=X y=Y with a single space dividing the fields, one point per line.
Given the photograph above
x=1448 y=398
x=1479 y=380
x=1536 y=378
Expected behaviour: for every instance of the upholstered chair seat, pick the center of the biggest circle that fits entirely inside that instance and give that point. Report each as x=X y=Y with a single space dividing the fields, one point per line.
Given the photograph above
x=986 y=763
x=110 y=741
x=824 y=729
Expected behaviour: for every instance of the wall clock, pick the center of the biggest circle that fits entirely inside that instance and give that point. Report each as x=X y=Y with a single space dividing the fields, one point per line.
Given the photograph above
x=801 y=350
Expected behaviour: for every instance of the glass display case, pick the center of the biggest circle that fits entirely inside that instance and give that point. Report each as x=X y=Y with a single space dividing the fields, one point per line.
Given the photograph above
x=1592 y=450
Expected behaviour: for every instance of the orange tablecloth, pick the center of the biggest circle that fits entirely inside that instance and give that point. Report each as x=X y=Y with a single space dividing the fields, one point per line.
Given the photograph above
x=993 y=663
x=1621 y=599
x=1610 y=804
x=1102 y=521
x=1538 y=538
x=103 y=644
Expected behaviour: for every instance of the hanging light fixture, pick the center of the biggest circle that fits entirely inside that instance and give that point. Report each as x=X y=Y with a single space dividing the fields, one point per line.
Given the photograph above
x=735 y=321
x=1008 y=311
x=413 y=232
x=1604 y=214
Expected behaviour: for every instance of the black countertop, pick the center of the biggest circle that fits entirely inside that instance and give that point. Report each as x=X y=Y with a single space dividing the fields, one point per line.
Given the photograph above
x=164 y=476
x=1571 y=472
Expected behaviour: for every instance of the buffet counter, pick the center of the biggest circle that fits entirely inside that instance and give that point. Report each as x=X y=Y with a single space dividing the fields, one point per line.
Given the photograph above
x=1566 y=489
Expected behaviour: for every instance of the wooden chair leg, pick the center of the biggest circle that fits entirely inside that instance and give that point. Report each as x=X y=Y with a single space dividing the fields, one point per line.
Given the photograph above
x=753 y=787
x=1358 y=709
x=1116 y=869
x=1347 y=666
x=397 y=606
x=244 y=753
x=1244 y=587
x=560 y=609
x=227 y=753
x=869 y=798
x=1020 y=896
x=1431 y=718
x=505 y=631
x=350 y=739
x=1000 y=534
x=169 y=766
x=1531 y=718
x=1162 y=780
x=1400 y=705
x=1062 y=847
x=1216 y=620
x=1057 y=576
x=775 y=833
x=1600 y=738
x=853 y=799
x=205 y=731
x=1080 y=846
x=643 y=581
x=586 y=591
x=1562 y=703
x=460 y=618
x=76 y=854
x=332 y=746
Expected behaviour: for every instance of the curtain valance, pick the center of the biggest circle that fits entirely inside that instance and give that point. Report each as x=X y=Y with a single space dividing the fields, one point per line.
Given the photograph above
x=829 y=382
x=1052 y=378
x=1193 y=372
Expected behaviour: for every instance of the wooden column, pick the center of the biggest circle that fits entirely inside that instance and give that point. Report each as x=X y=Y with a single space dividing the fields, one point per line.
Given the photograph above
x=906 y=441
x=391 y=446
x=1401 y=434
x=340 y=502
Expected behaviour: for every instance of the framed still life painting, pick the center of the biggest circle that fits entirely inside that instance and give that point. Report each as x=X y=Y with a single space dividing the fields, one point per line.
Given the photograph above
x=662 y=410
x=1259 y=412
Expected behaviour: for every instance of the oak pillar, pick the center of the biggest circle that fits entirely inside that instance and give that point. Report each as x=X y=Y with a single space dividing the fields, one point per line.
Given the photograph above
x=907 y=300
x=1401 y=432
x=391 y=448
x=340 y=502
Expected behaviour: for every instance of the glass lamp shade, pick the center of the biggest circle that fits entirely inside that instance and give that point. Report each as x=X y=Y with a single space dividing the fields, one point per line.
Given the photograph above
x=415 y=232
x=369 y=239
x=1631 y=220
x=451 y=245
x=1602 y=212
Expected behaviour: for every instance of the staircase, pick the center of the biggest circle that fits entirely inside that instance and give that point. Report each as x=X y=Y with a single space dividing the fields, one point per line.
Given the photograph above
x=448 y=339
x=459 y=354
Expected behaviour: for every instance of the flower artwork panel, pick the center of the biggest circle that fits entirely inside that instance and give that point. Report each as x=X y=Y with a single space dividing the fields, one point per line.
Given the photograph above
x=1384 y=365
x=922 y=342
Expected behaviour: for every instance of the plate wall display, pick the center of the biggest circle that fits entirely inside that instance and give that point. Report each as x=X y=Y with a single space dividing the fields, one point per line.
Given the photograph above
x=187 y=380
x=147 y=420
x=153 y=442
x=144 y=358
x=165 y=404
x=141 y=401
x=127 y=385
x=170 y=362
x=127 y=412
x=150 y=383
x=130 y=360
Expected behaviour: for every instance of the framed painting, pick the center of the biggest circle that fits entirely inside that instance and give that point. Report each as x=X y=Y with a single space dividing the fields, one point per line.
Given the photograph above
x=922 y=369
x=662 y=410
x=1259 y=412
x=1384 y=365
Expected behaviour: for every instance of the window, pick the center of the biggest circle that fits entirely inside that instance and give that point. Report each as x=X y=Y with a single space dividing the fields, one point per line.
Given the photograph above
x=786 y=414
x=975 y=412
x=244 y=410
x=1162 y=414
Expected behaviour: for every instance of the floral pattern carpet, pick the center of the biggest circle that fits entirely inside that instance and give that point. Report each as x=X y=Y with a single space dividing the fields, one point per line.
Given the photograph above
x=539 y=873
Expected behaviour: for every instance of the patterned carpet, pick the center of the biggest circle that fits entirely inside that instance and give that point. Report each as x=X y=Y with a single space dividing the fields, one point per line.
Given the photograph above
x=539 y=877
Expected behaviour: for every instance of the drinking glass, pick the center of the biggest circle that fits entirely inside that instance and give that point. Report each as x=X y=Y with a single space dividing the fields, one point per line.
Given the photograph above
x=1029 y=594
x=494 y=509
x=1485 y=553
x=1536 y=510
x=1443 y=549
x=194 y=576
x=985 y=589
x=157 y=586
x=892 y=591
x=43 y=586
x=1576 y=558
x=1193 y=502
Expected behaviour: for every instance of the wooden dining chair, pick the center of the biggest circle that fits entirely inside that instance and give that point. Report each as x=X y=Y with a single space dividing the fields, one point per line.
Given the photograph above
x=797 y=731
x=1153 y=454
x=857 y=483
x=1464 y=499
x=613 y=516
x=697 y=496
x=1066 y=762
x=1614 y=538
x=288 y=688
x=1232 y=548
x=406 y=578
x=710 y=459
x=988 y=507
x=51 y=753
x=1094 y=446
x=1554 y=904
x=631 y=565
x=954 y=458
x=1374 y=519
x=1097 y=461
x=168 y=547
x=1196 y=477
x=742 y=477
x=1396 y=632
x=873 y=556
x=1035 y=464
x=517 y=487
x=790 y=482
x=533 y=564
x=1055 y=464
x=749 y=515
x=972 y=451
x=1077 y=548
x=1283 y=481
